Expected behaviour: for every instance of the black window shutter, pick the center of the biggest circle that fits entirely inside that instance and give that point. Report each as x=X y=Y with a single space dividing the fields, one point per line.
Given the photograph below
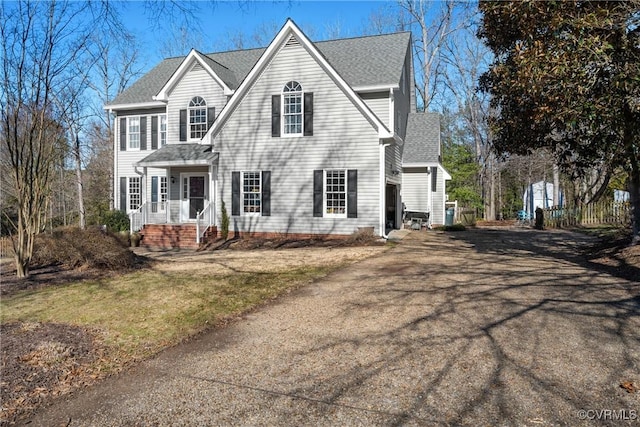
x=434 y=178
x=318 y=186
x=275 y=115
x=143 y=133
x=123 y=193
x=352 y=193
x=235 y=193
x=183 y=125
x=154 y=132
x=211 y=116
x=266 y=193
x=123 y=134
x=308 y=114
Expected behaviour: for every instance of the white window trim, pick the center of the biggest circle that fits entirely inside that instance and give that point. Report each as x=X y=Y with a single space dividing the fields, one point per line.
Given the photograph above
x=206 y=118
x=129 y=147
x=324 y=194
x=283 y=125
x=160 y=132
x=129 y=193
x=242 y=192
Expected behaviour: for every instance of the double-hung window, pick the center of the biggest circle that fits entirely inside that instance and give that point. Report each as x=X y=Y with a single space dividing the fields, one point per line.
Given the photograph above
x=134 y=193
x=163 y=129
x=197 y=117
x=292 y=108
x=335 y=194
x=251 y=192
x=133 y=133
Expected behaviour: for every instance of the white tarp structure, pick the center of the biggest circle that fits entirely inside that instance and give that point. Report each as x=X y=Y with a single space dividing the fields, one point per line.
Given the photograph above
x=620 y=196
x=539 y=195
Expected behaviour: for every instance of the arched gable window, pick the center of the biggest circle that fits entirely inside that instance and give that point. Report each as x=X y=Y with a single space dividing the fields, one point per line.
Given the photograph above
x=197 y=117
x=292 y=108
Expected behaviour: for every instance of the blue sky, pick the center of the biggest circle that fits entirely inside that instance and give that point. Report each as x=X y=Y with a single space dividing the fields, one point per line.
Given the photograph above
x=225 y=21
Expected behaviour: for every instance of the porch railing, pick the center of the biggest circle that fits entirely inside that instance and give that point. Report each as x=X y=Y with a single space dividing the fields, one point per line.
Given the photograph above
x=137 y=218
x=203 y=222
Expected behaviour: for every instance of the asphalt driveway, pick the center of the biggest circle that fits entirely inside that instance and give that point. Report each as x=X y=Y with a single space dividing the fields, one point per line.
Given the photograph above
x=482 y=327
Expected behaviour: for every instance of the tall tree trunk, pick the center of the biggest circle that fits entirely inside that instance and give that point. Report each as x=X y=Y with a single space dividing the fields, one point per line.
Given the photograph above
x=556 y=185
x=78 y=161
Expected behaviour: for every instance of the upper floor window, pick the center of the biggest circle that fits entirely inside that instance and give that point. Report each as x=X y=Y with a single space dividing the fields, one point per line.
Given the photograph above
x=197 y=118
x=133 y=133
x=163 y=129
x=292 y=108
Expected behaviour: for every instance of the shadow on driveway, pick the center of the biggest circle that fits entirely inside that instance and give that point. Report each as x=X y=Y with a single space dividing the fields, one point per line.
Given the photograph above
x=480 y=327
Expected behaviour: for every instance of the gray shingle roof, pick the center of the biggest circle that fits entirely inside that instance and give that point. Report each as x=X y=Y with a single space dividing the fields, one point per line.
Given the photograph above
x=178 y=153
x=422 y=142
x=361 y=61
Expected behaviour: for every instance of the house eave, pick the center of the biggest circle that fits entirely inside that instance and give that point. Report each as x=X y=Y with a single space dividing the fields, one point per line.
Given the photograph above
x=173 y=163
x=194 y=55
x=135 y=105
x=375 y=88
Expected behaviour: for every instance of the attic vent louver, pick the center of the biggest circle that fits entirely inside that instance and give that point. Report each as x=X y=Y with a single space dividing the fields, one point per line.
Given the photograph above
x=292 y=42
x=197 y=67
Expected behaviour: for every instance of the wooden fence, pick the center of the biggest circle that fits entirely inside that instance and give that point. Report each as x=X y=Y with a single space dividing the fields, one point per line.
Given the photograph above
x=592 y=214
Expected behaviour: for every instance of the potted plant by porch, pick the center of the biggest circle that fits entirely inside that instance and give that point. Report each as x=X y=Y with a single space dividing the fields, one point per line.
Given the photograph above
x=135 y=239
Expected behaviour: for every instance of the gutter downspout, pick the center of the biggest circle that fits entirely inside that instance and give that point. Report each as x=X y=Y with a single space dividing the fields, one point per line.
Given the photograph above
x=383 y=193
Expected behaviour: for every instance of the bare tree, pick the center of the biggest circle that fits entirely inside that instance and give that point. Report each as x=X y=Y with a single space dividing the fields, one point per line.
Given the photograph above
x=464 y=58
x=38 y=44
x=433 y=24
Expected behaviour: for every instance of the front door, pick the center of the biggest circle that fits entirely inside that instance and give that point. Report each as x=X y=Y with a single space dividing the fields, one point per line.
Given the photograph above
x=194 y=194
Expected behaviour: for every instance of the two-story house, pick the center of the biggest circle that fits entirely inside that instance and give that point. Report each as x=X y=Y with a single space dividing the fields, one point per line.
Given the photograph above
x=298 y=138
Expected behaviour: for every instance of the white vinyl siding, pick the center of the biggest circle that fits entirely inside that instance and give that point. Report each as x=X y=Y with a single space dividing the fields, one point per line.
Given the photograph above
x=417 y=194
x=379 y=103
x=438 y=198
x=416 y=189
x=342 y=139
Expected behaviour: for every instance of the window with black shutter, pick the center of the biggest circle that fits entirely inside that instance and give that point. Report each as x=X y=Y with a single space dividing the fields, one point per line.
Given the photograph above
x=292 y=111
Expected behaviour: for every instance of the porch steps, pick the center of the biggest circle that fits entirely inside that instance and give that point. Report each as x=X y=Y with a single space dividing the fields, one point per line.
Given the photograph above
x=173 y=236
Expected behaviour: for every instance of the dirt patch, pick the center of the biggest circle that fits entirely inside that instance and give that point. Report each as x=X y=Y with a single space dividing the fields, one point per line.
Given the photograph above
x=40 y=360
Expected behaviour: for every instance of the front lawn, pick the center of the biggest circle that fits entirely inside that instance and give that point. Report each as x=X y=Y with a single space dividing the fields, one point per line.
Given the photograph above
x=131 y=316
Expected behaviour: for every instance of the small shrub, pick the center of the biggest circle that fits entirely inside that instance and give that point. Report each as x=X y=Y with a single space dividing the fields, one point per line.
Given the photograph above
x=74 y=248
x=115 y=221
x=224 y=223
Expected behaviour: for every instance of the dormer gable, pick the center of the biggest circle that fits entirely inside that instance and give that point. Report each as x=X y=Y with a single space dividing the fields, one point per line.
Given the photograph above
x=291 y=36
x=194 y=59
